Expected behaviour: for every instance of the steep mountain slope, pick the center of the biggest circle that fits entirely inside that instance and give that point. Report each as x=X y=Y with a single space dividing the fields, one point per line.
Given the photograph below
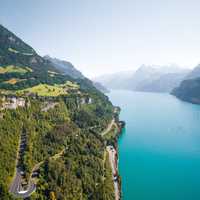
x=50 y=125
x=65 y=67
x=189 y=88
x=21 y=67
x=68 y=69
x=20 y=63
x=12 y=46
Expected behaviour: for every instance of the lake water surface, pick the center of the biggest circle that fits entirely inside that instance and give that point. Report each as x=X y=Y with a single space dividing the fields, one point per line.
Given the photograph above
x=159 y=151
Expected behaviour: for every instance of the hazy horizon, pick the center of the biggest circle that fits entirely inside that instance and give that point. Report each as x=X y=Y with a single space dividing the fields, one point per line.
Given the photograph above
x=108 y=36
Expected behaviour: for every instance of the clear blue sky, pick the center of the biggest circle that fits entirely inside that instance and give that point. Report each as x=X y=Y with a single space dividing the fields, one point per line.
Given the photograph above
x=100 y=36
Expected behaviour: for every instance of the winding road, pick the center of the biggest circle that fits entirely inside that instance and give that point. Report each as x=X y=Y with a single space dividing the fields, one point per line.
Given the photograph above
x=112 y=157
x=108 y=128
x=16 y=188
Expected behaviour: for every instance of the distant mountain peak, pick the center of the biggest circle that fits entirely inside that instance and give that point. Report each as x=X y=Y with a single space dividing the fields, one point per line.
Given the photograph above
x=152 y=78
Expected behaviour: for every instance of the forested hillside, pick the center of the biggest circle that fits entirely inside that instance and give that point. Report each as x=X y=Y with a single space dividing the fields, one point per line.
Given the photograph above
x=50 y=124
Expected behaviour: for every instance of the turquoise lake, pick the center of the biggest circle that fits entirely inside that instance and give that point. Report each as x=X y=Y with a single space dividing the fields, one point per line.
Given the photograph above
x=159 y=151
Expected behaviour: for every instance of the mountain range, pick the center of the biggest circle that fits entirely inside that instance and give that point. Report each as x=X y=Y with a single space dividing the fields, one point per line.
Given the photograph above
x=180 y=82
x=146 y=78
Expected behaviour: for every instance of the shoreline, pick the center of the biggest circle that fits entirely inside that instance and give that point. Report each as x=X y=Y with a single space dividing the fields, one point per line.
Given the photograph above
x=112 y=150
x=114 y=166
